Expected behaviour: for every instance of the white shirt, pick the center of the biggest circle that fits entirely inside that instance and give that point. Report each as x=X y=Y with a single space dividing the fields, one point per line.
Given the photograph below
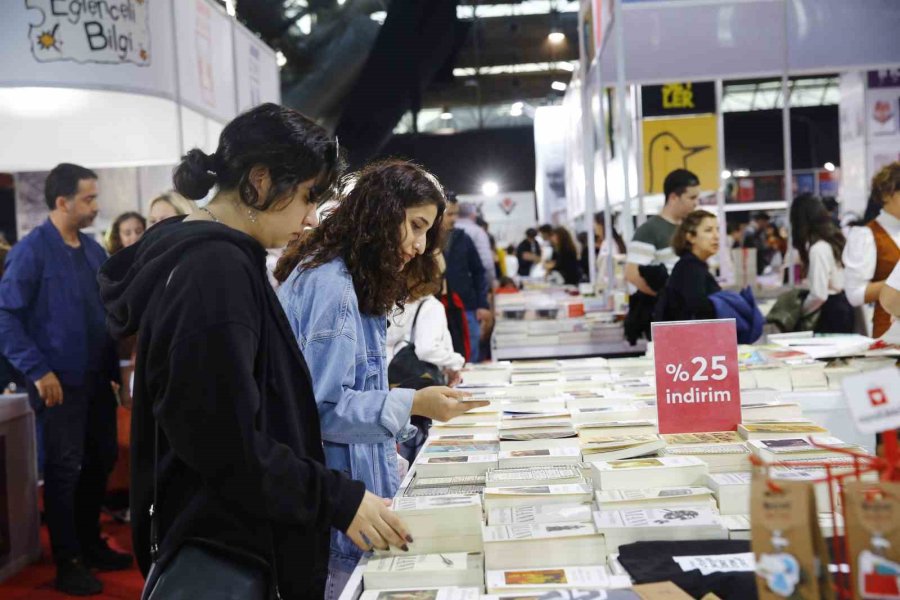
x=432 y=338
x=825 y=276
x=860 y=256
x=482 y=244
x=893 y=279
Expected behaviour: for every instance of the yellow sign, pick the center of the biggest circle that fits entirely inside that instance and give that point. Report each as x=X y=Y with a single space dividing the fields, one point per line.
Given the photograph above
x=688 y=142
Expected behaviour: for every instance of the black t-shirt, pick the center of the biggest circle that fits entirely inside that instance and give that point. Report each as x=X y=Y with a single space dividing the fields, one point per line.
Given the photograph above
x=527 y=246
x=566 y=264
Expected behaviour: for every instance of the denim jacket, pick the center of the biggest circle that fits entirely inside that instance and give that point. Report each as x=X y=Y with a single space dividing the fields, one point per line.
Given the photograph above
x=345 y=350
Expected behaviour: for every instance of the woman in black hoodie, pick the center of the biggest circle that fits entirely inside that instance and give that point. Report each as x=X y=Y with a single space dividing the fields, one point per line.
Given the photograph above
x=237 y=475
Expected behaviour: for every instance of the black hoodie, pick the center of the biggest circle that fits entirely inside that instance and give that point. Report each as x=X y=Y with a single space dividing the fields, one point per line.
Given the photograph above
x=241 y=461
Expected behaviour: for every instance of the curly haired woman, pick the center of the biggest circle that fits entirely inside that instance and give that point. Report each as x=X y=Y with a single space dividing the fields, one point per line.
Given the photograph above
x=339 y=283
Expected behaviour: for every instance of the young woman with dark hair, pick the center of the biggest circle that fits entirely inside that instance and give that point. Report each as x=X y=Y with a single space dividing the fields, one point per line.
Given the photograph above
x=687 y=291
x=126 y=230
x=228 y=471
x=820 y=244
x=339 y=284
x=565 y=257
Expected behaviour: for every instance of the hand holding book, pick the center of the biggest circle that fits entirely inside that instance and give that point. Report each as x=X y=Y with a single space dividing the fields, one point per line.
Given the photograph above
x=376 y=526
x=442 y=403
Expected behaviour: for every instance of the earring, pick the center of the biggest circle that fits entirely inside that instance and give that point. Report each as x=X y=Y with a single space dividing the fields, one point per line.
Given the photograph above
x=251 y=214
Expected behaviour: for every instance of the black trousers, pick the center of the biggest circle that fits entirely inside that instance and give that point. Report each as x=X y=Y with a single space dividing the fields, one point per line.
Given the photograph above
x=80 y=450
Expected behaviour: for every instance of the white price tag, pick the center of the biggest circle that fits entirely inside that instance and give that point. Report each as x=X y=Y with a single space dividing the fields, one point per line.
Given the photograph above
x=874 y=399
x=717 y=563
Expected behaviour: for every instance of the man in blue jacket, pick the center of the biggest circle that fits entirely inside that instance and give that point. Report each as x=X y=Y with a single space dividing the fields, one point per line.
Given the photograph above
x=53 y=331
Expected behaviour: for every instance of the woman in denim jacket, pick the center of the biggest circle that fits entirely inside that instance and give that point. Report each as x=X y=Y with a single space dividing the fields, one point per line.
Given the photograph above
x=340 y=281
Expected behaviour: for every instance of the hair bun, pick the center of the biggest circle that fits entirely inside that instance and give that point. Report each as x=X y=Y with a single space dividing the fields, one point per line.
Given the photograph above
x=195 y=176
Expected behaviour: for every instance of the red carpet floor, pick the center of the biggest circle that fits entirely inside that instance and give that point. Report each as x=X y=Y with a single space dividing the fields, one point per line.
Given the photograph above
x=36 y=581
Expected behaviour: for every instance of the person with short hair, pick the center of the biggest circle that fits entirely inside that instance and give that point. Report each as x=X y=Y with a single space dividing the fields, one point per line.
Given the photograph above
x=468 y=222
x=528 y=252
x=650 y=256
x=53 y=330
x=687 y=291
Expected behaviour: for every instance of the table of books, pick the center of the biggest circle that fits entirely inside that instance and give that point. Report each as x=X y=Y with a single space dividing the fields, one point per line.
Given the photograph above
x=536 y=493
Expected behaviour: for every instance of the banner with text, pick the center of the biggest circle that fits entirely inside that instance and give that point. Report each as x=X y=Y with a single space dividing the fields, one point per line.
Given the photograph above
x=697 y=380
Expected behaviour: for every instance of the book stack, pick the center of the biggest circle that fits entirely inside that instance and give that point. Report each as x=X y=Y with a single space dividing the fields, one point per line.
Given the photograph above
x=441 y=524
x=670 y=497
x=529 y=545
x=536 y=495
x=617 y=428
x=621 y=527
x=539 y=456
x=642 y=473
x=536 y=426
x=738 y=526
x=550 y=475
x=546 y=513
x=547 y=579
x=445 y=593
x=799 y=450
x=775 y=430
x=430 y=465
x=462 y=569
x=600 y=447
x=461 y=485
x=732 y=492
x=628 y=411
x=450 y=446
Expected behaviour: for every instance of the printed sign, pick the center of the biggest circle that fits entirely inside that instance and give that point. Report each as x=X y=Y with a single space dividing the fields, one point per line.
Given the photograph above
x=697 y=380
x=884 y=78
x=115 y=32
x=874 y=399
x=680 y=143
x=680 y=98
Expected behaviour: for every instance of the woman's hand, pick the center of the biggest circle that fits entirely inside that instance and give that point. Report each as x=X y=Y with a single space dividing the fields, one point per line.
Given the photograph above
x=442 y=403
x=453 y=377
x=376 y=526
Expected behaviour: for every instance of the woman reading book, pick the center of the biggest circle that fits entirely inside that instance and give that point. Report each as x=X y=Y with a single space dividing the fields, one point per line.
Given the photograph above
x=339 y=284
x=228 y=472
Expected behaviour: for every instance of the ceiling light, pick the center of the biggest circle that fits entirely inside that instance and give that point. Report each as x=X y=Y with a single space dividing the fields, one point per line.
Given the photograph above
x=829 y=166
x=726 y=174
x=556 y=37
x=490 y=188
x=446 y=115
x=559 y=86
x=280 y=58
x=741 y=172
x=516 y=109
x=341 y=2
x=567 y=66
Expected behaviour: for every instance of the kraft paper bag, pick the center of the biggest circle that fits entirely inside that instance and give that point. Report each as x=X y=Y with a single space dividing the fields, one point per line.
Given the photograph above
x=873 y=536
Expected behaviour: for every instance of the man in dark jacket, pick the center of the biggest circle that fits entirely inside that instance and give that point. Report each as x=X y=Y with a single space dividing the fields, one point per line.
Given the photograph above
x=466 y=276
x=52 y=330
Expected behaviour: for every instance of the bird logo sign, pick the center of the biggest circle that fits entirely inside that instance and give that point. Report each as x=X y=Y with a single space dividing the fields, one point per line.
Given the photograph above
x=688 y=142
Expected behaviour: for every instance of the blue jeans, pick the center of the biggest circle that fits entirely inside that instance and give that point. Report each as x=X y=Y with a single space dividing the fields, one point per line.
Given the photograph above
x=474 y=335
x=336 y=582
x=80 y=450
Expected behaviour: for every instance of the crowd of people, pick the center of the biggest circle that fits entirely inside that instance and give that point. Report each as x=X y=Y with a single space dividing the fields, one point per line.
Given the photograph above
x=266 y=420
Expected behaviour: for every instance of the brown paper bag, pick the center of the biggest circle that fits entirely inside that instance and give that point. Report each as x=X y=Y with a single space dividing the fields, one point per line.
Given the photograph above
x=791 y=556
x=873 y=537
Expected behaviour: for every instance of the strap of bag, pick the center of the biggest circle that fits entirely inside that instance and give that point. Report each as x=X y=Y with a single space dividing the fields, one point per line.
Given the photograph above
x=412 y=330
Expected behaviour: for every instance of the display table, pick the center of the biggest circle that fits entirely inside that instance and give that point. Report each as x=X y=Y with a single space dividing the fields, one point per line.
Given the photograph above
x=19 y=517
x=604 y=349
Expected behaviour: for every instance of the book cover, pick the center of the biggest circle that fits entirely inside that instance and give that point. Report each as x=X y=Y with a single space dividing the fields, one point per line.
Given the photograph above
x=547 y=513
x=536 y=531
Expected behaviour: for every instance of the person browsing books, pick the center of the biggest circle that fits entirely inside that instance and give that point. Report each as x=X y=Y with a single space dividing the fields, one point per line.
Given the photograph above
x=339 y=284
x=687 y=291
x=227 y=459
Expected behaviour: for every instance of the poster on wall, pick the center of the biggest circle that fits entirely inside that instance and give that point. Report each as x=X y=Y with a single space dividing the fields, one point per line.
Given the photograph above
x=884 y=106
x=31 y=208
x=257 y=71
x=680 y=143
x=508 y=214
x=91 y=32
x=205 y=55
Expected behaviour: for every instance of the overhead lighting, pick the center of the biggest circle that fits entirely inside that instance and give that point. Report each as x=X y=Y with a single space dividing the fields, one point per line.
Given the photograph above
x=741 y=172
x=305 y=24
x=726 y=174
x=516 y=109
x=518 y=69
x=559 y=86
x=446 y=115
x=230 y=8
x=829 y=166
x=556 y=37
x=567 y=66
x=341 y=2
x=490 y=188
x=280 y=58
x=379 y=16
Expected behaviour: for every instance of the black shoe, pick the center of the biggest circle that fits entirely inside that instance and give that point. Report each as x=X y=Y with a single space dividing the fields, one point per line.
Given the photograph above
x=100 y=556
x=74 y=578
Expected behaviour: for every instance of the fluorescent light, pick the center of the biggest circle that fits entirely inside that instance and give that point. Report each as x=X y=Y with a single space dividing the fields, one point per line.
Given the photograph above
x=379 y=16
x=559 y=86
x=726 y=174
x=280 y=58
x=741 y=172
x=305 y=24
x=829 y=166
x=516 y=109
x=446 y=115
x=521 y=68
x=556 y=37
x=567 y=66
x=229 y=8
x=490 y=188
x=341 y=2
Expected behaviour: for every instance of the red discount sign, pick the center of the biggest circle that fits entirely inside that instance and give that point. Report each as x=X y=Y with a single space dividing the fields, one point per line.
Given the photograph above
x=698 y=386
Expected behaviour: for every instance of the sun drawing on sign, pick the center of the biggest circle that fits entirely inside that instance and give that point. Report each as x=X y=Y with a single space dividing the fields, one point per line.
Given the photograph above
x=48 y=39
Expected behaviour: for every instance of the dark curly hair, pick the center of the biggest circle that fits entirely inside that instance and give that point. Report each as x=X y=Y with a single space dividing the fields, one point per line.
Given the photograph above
x=290 y=145
x=364 y=230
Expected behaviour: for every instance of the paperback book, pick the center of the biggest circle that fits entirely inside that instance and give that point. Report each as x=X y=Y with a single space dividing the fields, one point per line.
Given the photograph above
x=546 y=513
x=550 y=475
x=732 y=492
x=445 y=593
x=463 y=569
x=643 y=473
x=622 y=527
x=669 y=497
x=536 y=581
x=533 y=495
x=538 y=457
x=457 y=464
x=529 y=545
x=721 y=458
